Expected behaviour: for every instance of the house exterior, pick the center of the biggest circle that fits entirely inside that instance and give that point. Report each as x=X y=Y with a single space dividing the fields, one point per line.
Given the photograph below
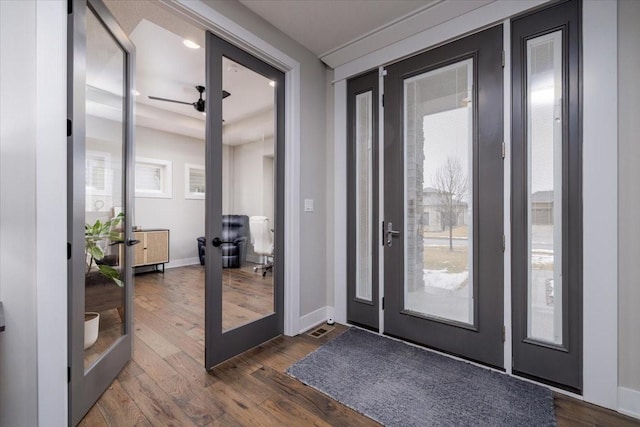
x=435 y=216
x=33 y=186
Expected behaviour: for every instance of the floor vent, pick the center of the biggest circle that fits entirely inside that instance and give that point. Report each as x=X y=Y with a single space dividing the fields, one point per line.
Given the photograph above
x=319 y=332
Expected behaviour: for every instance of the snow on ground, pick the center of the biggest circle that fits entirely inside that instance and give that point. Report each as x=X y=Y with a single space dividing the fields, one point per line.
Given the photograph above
x=444 y=280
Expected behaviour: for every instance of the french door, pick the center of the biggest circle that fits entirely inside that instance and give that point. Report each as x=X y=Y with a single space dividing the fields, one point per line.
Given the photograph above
x=244 y=280
x=443 y=198
x=100 y=208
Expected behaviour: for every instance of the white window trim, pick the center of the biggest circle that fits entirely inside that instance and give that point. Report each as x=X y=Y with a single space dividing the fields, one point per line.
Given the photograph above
x=166 y=184
x=188 y=194
x=107 y=174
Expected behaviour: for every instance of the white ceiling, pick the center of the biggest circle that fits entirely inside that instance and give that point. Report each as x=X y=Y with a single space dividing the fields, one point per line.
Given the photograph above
x=336 y=30
x=166 y=68
x=322 y=26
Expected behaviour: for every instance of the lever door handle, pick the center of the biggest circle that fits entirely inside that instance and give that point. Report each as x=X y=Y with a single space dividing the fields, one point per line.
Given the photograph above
x=391 y=233
x=132 y=242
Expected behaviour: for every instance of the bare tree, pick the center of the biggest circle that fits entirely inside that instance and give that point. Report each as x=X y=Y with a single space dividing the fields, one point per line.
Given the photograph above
x=451 y=183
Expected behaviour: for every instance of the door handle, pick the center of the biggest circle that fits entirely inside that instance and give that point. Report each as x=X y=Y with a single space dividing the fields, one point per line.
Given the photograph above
x=216 y=242
x=132 y=242
x=391 y=233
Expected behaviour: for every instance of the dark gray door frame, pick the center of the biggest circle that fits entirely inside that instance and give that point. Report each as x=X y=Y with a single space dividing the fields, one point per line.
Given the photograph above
x=483 y=341
x=221 y=346
x=560 y=366
x=360 y=312
x=86 y=387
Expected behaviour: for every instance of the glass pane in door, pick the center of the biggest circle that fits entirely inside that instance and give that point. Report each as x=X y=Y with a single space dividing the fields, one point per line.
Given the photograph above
x=438 y=220
x=104 y=187
x=248 y=195
x=364 y=195
x=544 y=142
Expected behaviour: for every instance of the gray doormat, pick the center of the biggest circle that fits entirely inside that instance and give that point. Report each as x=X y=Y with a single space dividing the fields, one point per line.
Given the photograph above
x=397 y=384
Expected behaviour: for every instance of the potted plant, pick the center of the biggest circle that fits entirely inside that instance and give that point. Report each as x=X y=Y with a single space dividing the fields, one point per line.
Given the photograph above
x=93 y=235
x=97 y=270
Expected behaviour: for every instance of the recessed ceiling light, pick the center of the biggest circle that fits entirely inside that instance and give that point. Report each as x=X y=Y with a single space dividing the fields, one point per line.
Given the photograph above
x=191 y=44
x=272 y=83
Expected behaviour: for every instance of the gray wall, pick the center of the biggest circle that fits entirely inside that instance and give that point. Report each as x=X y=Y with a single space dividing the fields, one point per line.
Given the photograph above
x=183 y=217
x=18 y=375
x=628 y=195
x=313 y=225
x=33 y=348
x=329 y=181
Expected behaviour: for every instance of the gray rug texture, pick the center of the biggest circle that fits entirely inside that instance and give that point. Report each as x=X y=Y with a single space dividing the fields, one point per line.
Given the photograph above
x=398 y=384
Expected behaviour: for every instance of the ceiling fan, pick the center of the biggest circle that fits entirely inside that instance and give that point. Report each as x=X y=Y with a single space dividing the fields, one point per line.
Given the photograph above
x=198 y=105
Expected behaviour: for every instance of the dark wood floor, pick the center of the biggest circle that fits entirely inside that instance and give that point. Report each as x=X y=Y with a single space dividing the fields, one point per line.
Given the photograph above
x=166 y=385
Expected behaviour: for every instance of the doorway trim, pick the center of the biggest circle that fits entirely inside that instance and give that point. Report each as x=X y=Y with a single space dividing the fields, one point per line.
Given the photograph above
x=230 y=31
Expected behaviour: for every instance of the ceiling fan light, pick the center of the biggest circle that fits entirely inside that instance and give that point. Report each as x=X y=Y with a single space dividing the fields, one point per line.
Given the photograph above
x=191 y=44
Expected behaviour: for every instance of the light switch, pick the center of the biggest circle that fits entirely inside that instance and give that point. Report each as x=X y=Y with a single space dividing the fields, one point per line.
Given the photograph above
x=308 y=205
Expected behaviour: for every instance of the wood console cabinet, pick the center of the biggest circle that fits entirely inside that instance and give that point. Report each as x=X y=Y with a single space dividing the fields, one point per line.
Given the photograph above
x=153 y=248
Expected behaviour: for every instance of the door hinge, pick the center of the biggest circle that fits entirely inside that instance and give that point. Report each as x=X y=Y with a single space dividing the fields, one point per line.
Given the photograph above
x=69 y=127
x=383 y=99
x=382 y=72
x=503 y=59
x=504 y=333
x=68 y=250
x=504 y=243
x=68 y=374
x=383 y=303
x=69 y=7
x=504 y=149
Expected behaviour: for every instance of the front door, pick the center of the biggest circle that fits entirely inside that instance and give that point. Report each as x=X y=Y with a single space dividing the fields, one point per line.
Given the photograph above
x=443 y=198
x=100 y=155
x=244 y=298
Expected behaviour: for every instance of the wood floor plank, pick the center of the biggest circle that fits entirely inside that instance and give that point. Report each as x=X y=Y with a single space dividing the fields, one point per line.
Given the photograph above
x=187 y=366
x=311 y=400
x=573 y=412
x=155 y=341
x=200 y=410
x=154 y=403
x=289 y=414
x=238 y=407
x=153 y=365
x=166 y=384
x=94 y=418
x=119 y=409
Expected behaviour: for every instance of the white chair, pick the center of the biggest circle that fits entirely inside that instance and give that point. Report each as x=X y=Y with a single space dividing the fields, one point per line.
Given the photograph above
x=262 y=241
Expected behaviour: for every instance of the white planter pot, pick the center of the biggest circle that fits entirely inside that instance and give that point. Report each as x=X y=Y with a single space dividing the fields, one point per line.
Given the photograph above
x=91 y=326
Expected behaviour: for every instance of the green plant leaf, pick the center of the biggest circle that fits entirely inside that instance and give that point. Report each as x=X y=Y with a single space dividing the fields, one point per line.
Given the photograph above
x=111 y=273
x=96 y=252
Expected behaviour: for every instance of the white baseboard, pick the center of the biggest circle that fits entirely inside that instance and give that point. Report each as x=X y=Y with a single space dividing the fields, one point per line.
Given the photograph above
x=629 y=402
x=310 y=320
x=182 y=262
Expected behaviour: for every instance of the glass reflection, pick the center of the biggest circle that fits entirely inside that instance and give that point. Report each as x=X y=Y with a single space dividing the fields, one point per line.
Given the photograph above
x=438 y=193
x=104 y=218
x=248 y=196
x=364 y=195
x=544 y=142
